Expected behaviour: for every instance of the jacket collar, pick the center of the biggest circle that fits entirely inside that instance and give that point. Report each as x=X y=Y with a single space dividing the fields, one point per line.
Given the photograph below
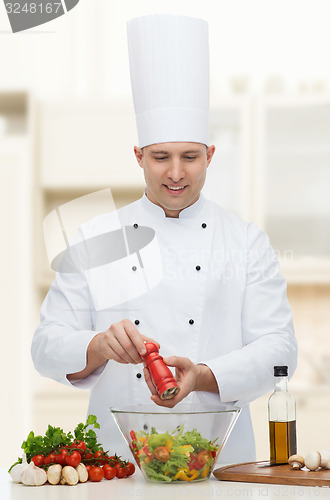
x=191 y=211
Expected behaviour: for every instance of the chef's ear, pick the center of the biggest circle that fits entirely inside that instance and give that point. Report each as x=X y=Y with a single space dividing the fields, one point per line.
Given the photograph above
x=209 y=154
x=139 y=155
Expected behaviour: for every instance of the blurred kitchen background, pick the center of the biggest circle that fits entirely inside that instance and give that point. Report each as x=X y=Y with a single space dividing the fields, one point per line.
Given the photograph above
x=67 y=128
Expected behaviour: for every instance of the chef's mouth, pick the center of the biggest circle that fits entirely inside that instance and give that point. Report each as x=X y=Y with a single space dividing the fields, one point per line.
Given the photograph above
x=175 y=190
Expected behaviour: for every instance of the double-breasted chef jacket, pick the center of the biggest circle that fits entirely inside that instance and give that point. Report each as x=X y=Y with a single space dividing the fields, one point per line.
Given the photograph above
x=221 y=301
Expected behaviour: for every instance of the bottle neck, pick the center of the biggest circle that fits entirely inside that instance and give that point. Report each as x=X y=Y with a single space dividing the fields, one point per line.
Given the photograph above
x=281 y=383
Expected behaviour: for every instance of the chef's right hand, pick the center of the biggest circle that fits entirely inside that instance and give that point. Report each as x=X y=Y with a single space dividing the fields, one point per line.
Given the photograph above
x=122 y=342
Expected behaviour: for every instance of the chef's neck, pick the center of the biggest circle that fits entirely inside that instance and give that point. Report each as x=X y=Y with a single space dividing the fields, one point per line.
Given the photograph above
x=169 y=212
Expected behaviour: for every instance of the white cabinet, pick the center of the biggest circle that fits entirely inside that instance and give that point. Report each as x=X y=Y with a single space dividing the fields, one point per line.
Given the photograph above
x=293 y=182
x=83 y=147
x=228 y=179
x=86 y=144
x=16 y=283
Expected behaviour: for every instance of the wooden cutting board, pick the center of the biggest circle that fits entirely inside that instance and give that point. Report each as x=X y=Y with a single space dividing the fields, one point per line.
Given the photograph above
x=256 y=472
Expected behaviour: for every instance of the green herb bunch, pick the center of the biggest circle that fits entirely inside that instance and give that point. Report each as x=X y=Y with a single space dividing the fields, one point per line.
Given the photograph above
x=55 y=439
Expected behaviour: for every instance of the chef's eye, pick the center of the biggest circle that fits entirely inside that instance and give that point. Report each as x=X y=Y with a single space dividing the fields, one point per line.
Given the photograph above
x=160 y=158
x=191 y=158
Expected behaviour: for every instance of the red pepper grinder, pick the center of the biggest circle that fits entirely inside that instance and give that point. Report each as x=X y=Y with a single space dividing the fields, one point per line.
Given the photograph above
x=161 y=375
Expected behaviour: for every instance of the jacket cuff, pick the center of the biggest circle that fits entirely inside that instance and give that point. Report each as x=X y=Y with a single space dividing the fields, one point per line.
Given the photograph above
x=229 y=381
x=87 y=382
x=65 y=353
x=213 y=398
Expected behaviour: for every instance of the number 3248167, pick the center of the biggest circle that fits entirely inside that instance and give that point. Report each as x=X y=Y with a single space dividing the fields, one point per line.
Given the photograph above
x=33 y=8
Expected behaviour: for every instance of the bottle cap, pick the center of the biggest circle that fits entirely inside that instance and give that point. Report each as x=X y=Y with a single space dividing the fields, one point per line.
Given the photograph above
x=280 y=371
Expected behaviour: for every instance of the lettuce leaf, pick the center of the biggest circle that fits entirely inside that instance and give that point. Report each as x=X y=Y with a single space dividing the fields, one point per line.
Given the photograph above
x=176 y=461
x=156 y=440
x=194 y=439
x=156 y=476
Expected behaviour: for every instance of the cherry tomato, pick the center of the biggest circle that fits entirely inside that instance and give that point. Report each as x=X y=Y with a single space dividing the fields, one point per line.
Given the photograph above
x=203 y=456
x=115 y=460
x=96 y=474
x=162 y=454
x=61 y=457
x=130 y=469
x=194 y=463
x=89 y=454
x=38 y=460
x=109 y=472
x=80 y=446
x=101 y=457
x=120 y=472
x=106 y=457
x=88 y=468
x=74 y=459
x=50 y=459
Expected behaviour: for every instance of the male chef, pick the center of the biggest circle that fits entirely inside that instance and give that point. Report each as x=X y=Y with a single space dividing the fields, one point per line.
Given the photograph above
x=215 y=302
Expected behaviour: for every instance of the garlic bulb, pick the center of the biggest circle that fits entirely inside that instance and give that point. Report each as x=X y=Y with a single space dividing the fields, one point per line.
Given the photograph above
x=33 y=476
x=16 y=471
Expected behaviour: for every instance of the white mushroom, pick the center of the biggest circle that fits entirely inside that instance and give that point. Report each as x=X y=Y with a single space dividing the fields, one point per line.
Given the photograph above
x=82 y=473
x=54 y=473
x=325 y=459
x=69 y=475
x=313 y=460
x=296 y=462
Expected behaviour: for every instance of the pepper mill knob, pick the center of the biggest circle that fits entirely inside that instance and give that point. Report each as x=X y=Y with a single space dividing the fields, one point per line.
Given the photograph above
x=161 y=375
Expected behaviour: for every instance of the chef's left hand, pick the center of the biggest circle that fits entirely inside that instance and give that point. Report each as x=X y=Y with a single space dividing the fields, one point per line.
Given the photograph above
x=190 y=377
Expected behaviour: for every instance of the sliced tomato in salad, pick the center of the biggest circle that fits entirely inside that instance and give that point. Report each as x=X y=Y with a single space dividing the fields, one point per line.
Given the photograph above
x=194 y=463
x=162 y=454
x=203 y=456
x=197 y=461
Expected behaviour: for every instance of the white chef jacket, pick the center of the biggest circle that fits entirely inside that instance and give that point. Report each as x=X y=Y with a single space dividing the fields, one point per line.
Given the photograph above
x=221 y=301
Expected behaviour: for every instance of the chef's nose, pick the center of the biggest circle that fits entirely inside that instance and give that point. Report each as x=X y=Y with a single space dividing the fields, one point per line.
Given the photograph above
x=176 y=170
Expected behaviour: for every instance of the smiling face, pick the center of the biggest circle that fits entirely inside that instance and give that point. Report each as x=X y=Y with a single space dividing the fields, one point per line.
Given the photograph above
x=174 y=173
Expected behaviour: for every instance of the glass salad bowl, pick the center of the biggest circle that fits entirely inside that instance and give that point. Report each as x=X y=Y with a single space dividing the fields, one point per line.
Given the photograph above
x=176 y=444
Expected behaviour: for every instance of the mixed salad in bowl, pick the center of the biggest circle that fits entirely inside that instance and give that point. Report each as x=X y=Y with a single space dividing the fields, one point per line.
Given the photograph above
x=174 y=456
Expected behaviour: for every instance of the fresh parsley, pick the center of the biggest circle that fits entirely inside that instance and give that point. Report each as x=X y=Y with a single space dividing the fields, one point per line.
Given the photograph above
x=55 y=439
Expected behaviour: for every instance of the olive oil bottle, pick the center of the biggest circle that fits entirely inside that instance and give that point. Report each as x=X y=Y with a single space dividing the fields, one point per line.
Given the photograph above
x=282 y=418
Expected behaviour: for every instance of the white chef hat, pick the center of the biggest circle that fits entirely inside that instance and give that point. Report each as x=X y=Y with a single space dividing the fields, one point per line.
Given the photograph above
x=169 y=64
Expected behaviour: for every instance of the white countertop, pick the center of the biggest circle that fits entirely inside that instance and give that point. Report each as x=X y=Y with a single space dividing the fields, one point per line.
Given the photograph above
x=136 y=487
